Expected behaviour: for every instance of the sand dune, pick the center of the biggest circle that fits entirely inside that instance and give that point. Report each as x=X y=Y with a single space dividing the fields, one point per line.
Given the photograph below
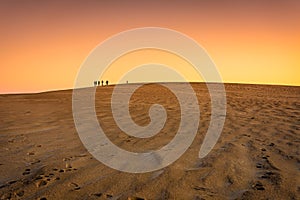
x=256 y=157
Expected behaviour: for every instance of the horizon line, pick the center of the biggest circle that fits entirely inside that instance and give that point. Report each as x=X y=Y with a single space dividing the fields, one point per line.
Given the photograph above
x=65 y=89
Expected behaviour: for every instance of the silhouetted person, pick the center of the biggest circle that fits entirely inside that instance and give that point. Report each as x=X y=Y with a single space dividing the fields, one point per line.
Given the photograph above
x=95 y=83
x=106 y=82
x=98 y=82
x=102 y=82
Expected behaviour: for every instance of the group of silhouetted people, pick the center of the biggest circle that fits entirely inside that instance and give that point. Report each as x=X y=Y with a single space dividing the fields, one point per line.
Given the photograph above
x=97 y=83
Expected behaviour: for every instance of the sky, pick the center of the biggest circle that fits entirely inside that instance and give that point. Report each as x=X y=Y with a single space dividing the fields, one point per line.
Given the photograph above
x=44 y=43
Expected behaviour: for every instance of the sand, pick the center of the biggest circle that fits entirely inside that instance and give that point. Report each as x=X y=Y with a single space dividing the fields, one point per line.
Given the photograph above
x=256 y=157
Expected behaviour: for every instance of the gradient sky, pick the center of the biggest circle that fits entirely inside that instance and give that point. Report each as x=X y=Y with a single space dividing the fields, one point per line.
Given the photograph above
x=43 y=43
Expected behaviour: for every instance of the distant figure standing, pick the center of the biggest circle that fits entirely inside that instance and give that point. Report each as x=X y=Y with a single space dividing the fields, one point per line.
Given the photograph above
x=102 y=82
x=95 y=83
x=106 y=82
x=98 y=82
x=126 y=82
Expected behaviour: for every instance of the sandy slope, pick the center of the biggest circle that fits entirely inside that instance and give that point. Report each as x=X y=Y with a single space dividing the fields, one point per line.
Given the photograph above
x=257 y=156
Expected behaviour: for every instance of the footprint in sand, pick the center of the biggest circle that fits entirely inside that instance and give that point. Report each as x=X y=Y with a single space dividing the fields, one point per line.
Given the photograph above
x=75 y=186
x=273 y=177
x=26 y=172
x=267 y=172
x=99 y=194
x=35 y=162
x=41 y=183
x=267 y=175
x=68 y=165
x=43 y=179
x=199 y=188
x=259 y=165
x=30 y=153
x=271 y=144
x=269 y=164
x=258 y=186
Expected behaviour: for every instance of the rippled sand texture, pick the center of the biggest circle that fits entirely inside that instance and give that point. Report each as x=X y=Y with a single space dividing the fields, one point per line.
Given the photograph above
x=256 y=157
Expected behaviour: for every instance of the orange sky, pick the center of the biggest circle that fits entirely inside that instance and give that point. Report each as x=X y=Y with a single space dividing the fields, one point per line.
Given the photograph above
x=43 y=43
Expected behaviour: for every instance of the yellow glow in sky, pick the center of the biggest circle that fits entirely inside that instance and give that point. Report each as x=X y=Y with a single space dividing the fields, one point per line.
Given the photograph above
x=124 y=64
x=44 y=43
